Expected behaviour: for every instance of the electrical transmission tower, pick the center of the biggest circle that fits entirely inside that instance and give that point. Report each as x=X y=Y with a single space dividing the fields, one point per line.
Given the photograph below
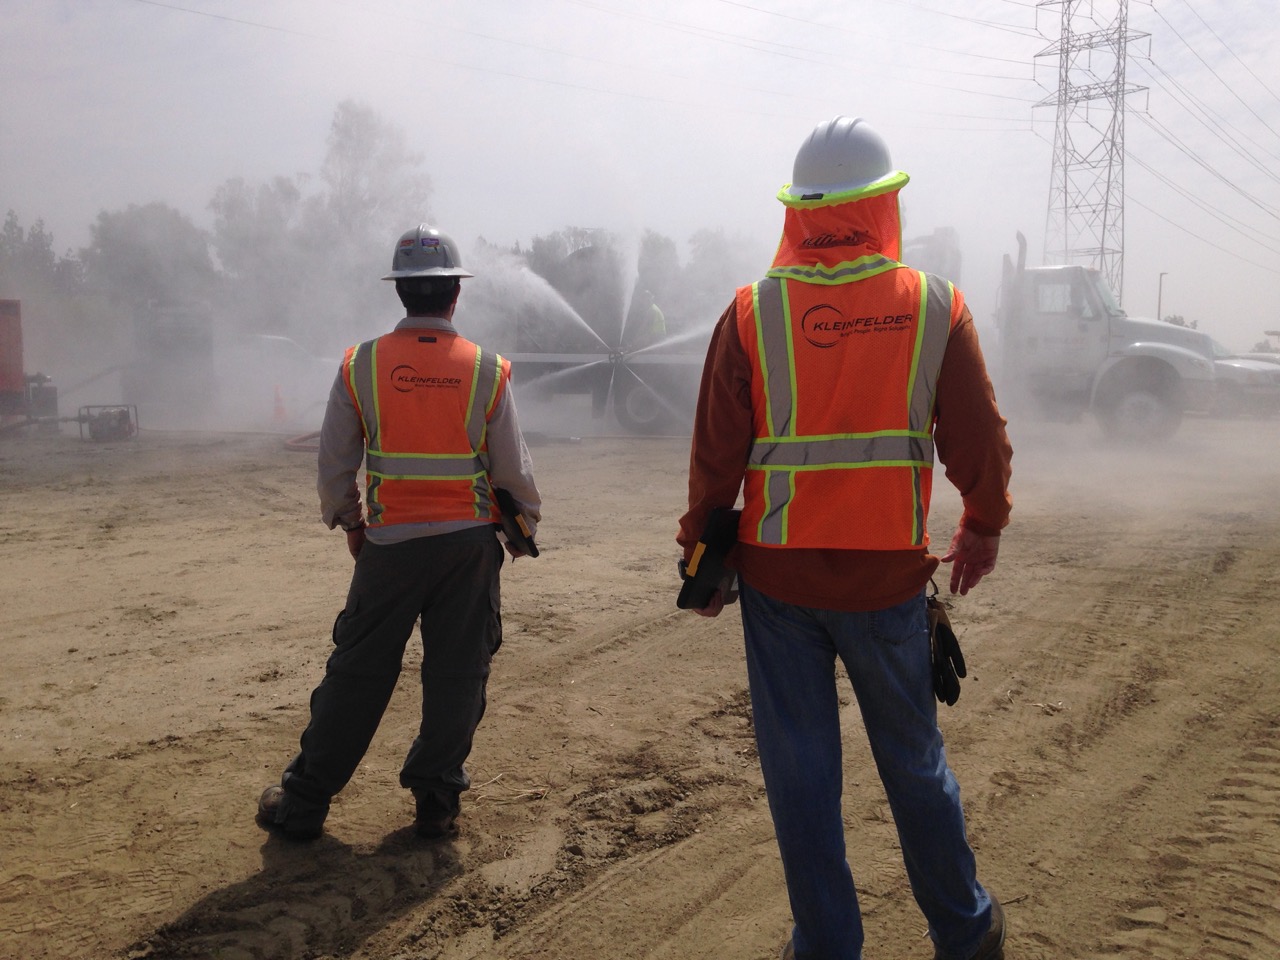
x=1085 y=221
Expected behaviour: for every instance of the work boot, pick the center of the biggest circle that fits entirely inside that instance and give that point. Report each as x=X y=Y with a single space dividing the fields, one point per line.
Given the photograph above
x=273 y=815
x=992 y=946
x=436 y=813
x=789 y=951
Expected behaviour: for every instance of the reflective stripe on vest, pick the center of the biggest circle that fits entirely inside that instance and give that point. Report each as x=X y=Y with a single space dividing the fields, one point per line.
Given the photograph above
x=459 y=465
x=783 y=454
x=837 y=273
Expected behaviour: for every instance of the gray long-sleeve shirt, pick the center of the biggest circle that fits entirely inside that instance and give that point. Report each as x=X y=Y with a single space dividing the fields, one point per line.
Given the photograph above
x=342 y=453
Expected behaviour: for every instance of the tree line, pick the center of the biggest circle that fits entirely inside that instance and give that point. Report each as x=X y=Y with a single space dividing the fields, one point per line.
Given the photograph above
x=296 y=255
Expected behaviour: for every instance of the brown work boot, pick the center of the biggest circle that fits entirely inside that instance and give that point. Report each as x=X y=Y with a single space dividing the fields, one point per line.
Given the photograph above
x=273 y=816
x=436 y=813
x=992 y=946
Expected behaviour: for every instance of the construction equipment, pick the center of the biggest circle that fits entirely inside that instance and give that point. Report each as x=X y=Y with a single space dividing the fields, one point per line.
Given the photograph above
x=108 y=422
x=171 y=378
x=26 y=399
x=31 y=399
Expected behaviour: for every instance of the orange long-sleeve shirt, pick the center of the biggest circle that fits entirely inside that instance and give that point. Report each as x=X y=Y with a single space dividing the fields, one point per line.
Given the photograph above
x=969 y=437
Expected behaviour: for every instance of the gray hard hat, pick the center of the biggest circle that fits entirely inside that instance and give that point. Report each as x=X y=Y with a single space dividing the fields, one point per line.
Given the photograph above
x=840 y=155
x=426 y=252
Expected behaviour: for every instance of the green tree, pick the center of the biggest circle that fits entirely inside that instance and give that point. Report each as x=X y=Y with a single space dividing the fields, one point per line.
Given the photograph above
x=150 y=254
x=259 y=237
x=64 y=330
x=374 y=180
x=302 y=256
x=28 y=266
x=547 y=253
x=585 y=266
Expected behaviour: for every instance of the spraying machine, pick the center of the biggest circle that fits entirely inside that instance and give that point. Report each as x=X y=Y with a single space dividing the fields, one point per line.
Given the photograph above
x=605 y=345
x=31 y=399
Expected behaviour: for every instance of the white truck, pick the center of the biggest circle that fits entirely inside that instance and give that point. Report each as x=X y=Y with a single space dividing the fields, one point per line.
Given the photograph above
x=1067 y=348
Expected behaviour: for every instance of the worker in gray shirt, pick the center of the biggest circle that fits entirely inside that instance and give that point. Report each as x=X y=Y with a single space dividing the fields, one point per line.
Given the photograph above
x=432 y=418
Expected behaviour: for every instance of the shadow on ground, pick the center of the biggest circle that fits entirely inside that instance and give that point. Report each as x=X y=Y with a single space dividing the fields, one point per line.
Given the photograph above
x=320 y=898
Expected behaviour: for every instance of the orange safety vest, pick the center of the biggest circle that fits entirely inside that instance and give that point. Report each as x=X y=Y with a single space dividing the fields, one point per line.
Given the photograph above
x=845 y=345
x=425 y=397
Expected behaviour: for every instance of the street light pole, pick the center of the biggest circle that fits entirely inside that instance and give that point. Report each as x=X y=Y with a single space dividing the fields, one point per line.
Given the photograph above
x=1160 y=295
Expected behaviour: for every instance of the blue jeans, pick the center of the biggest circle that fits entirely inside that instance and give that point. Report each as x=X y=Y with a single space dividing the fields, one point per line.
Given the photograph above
x=791 y=653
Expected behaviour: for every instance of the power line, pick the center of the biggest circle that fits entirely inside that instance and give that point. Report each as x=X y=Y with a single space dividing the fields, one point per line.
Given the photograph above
x=1261 y=82
x=1239 y=226
x=447 y=62
x=1262 y=266
x=753 y=43
x=1210 y=68
x=1020 y=31
x=1168 y=135
x=702 y=34
x=1211 y=120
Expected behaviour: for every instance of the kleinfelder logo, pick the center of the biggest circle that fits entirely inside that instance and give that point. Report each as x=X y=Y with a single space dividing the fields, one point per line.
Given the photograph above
x=824 y=325
x=406 y=379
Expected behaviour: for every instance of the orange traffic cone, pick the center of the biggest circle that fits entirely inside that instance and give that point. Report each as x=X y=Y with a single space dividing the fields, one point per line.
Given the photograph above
x=279 y=414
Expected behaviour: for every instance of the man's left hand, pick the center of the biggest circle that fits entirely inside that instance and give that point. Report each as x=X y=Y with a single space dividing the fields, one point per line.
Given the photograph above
x=714 y=606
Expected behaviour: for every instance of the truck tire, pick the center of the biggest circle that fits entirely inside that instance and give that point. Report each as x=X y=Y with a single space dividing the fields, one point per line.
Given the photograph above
x=1140 y=416
x=638 y=409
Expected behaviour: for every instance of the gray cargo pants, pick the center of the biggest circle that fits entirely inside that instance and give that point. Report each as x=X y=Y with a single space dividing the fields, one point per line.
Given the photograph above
x=452 y=583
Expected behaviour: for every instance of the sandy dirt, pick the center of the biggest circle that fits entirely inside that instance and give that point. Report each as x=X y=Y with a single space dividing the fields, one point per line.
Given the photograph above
x=167 y=605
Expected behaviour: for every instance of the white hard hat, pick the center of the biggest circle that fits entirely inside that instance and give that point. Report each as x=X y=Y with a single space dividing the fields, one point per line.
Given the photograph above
x=840 y=155
x=425 y=252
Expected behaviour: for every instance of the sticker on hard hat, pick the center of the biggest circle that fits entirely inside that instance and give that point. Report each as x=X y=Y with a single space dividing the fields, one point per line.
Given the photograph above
x=431 y=241
x=406 y=243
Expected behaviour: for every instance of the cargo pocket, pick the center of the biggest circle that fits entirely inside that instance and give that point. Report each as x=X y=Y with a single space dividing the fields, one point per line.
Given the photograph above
x=495 y=600
x=341 y=623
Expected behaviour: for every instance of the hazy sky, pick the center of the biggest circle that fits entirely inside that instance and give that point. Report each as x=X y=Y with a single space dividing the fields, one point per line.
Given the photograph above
x=669 y=114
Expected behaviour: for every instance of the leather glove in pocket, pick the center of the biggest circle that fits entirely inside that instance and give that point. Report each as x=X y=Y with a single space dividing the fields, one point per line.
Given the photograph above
x=948 y=661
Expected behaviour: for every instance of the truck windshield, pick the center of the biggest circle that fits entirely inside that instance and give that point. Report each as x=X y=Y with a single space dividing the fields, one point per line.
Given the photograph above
x=1104 y=294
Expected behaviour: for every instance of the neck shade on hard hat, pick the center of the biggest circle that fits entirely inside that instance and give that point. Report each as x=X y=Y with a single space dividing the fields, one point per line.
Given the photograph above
x=426 y=252
x=843 y=159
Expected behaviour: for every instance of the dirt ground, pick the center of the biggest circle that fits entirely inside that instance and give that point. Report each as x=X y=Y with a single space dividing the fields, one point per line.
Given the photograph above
x=167 y=604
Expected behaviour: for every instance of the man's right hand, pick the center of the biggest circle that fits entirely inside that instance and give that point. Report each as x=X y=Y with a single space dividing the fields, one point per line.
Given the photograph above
x=973 y=556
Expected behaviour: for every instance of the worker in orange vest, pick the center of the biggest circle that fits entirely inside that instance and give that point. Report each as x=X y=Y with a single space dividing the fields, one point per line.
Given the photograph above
x=432 y=418
x=827 y=386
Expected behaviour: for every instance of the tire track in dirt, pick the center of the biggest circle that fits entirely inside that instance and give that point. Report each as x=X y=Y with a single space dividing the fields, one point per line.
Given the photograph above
x=1115 y=740
x=1137 y=751
x=1215 y=877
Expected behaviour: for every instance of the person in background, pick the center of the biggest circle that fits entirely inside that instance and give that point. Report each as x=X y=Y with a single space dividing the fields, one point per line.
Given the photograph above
x=826 y=388
x=657 y=320
x=432 y=417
